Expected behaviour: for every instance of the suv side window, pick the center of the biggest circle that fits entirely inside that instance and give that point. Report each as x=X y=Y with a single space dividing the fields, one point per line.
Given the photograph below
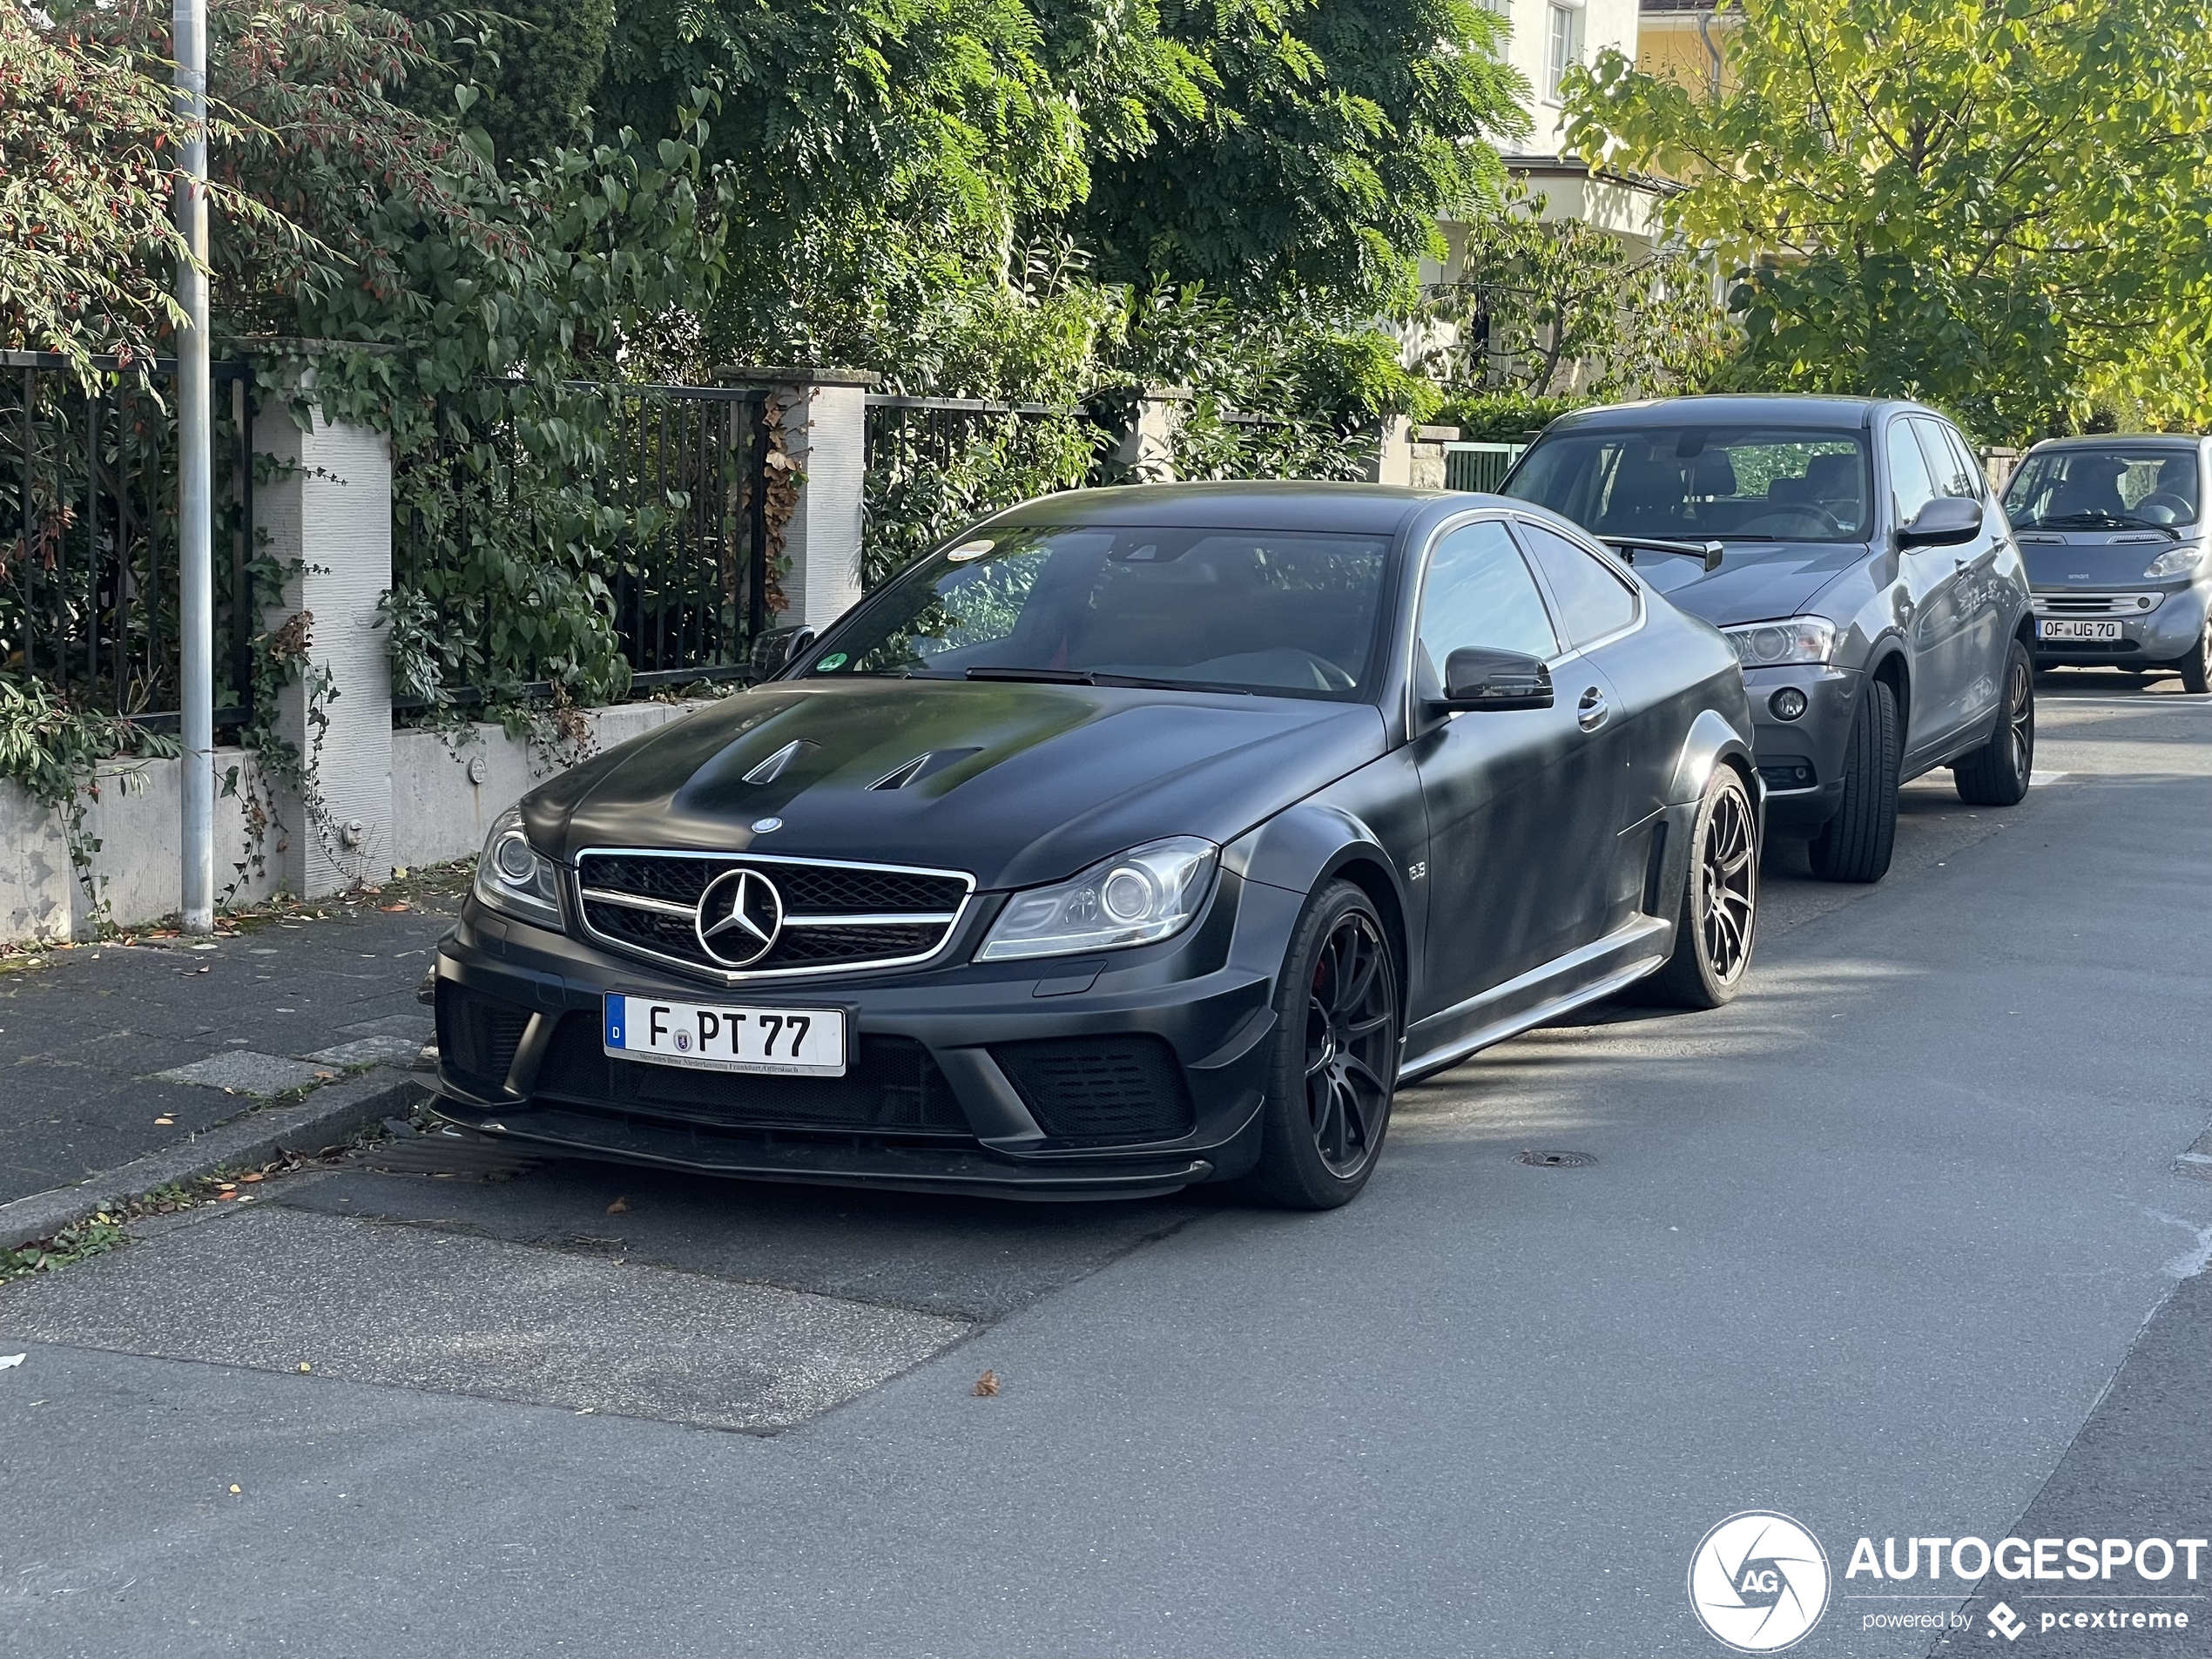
x=1479 y=592
x=1948 y=468
x=1593 y=602
x=1911 y=488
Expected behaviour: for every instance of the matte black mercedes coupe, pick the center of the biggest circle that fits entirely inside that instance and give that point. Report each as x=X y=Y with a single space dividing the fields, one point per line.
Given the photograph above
x=1137 y=837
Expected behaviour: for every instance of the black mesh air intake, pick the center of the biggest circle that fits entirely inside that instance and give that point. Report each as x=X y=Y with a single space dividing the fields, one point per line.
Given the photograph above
x=477 y=1035
x=1100 y=1091
x=894 y=1088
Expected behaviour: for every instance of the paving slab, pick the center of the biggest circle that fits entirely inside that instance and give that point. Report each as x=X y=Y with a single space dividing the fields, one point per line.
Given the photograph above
x=962 y=1258
x=242 y=1071
x=279 y=1290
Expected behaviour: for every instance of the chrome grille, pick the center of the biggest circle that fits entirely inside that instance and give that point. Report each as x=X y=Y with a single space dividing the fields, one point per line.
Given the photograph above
x=835 y=917
x=2057 y=604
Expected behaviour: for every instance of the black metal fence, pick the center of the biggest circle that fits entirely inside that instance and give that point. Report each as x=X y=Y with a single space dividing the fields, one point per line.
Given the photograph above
x=88 y=534
x=691 y=584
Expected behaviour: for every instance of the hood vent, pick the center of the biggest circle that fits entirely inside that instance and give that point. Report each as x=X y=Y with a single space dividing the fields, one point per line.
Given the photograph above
x=772 y=768
x=922 y=766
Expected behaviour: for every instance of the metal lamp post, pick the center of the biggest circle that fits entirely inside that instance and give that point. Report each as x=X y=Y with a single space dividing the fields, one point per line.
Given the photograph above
x=195 y=528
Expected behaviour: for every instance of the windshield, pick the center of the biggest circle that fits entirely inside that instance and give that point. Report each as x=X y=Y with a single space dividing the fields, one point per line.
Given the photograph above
x=1700 y=482
x=2117 y=487
x=1284 y=612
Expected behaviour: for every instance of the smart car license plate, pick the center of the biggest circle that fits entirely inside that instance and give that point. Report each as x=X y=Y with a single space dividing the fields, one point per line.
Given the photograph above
x=724 y=1036
x=2076 y=627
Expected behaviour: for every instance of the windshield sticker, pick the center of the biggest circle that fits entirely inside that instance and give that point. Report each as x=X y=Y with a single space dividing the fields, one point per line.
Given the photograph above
x=968 y=551
x=832 y=663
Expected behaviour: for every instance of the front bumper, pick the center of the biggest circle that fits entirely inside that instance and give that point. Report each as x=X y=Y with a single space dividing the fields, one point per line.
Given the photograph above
x=2161 y=631
x=1801 y=761
x=1124 y=1074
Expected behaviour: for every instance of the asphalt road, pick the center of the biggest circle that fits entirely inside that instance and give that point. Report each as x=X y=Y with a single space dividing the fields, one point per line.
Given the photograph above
x=1909 y=1241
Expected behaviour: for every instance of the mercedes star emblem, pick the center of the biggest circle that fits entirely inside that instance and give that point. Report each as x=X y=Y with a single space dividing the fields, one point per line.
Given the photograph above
x=739 y=915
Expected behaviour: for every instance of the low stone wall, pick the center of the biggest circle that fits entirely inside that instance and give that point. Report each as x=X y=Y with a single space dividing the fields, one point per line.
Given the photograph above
x=446 y=791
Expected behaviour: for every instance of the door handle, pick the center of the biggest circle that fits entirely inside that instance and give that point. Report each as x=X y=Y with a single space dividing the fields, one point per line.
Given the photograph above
x=1590 y=713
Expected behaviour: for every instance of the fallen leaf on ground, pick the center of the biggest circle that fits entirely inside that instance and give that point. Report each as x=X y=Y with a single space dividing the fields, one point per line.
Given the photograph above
x=620 y=1206
x=304 y=1365
x=237 y=1489
x=8 y=1360
x=987 y=1384
x=390 y=909
x=326 y=1075
x=162 y=1123
x=256 y=1175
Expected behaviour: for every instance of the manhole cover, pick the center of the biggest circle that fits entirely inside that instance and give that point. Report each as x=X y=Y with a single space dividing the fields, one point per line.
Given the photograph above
x=1554 y=1160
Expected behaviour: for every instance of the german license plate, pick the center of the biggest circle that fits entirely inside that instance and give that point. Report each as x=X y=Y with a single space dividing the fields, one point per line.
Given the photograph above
x=726 y=1036
x=2077 y=627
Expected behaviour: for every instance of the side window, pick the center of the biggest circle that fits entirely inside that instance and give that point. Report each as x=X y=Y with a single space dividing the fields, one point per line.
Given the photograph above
x=1911 y=488
x=1478 y=592
x=1593 y=602
x=1977 y=482
x=1948 y=466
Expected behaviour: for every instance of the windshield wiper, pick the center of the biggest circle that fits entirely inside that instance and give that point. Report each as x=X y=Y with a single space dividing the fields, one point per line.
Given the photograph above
x=1047 y=676
x=2097 y=518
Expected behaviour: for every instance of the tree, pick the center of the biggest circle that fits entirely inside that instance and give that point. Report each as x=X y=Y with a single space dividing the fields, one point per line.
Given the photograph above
x=1539 y=303
x=1333 y=135
x=534 y=63
x=1989 y=204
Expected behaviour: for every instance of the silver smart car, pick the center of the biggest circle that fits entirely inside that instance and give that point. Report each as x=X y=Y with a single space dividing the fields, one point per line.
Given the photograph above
x=2113 y=530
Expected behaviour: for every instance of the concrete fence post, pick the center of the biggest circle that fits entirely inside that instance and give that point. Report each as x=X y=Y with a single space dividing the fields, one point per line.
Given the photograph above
x=825 y=427
x=1425 y=455
x=1146 y=452
x=327 y=516
x=1394 y=462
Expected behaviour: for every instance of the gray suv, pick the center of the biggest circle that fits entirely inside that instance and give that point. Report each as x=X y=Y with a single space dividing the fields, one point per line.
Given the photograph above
x=1852 y=552
x=2112 y=531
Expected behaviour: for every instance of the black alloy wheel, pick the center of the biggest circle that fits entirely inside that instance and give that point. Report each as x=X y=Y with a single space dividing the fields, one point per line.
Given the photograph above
x=1718 y=921
x=1336 y=1055
x=1997 y=773
x=1350 y=1027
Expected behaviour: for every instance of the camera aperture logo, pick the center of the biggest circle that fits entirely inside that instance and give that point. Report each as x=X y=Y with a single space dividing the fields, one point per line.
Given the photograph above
x=1758 y=1581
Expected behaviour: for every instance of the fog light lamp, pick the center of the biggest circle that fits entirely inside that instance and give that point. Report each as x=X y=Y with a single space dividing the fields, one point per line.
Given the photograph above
x=1787 y=704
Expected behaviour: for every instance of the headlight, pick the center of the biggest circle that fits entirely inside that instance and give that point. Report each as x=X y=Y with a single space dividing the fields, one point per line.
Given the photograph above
x=2182 y=559
x=1770 y=644
x=1144 y=894
x=513 y=878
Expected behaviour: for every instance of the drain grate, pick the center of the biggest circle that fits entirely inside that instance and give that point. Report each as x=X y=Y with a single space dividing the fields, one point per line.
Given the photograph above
x=1554 y=1160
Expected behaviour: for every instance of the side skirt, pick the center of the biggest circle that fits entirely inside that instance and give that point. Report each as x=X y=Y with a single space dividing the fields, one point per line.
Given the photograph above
x=1565 y=983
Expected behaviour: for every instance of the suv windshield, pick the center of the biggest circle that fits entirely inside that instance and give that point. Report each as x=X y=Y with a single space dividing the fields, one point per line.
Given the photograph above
x=1699 y=482
x=2119 y=486
x=1287 y=612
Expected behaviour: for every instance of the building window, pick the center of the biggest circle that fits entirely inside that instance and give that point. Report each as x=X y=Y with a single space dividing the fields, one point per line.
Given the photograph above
x=1563 y=45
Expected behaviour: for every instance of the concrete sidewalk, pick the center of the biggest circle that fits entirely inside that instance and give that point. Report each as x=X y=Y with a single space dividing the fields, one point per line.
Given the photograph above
x=114 y=1052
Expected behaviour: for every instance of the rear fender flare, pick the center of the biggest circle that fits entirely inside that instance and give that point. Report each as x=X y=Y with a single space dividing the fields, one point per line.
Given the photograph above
x=1710 y=742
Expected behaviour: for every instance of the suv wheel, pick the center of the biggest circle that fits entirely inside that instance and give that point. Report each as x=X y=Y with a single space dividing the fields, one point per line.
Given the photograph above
x=1997 y=773
x=1720 y=897
x=1335 y=1056
x=1854 y=845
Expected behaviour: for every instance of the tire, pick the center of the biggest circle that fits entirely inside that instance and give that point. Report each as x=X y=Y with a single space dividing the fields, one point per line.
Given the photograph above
x=1717 y=921
x=1997 y=773
x=1335 y=1070
x=2196 y=667
x=1855 y=845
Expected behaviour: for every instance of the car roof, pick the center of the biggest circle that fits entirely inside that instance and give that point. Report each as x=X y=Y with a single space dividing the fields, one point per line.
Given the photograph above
x=1260 y=504
x=2105 y=440
x=1781 y=408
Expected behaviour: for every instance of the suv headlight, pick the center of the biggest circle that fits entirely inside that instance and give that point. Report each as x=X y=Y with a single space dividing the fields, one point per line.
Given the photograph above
x=513 y=878
x=1134 y=898
x=1770 y=644
x=2181 y=559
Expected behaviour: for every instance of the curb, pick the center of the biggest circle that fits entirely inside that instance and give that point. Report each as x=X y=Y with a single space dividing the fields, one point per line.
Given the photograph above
x=334 y=1113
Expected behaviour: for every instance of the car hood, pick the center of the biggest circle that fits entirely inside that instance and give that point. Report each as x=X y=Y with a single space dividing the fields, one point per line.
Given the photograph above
x=1016 y=783
x=1756 y=581
x=2093 y=558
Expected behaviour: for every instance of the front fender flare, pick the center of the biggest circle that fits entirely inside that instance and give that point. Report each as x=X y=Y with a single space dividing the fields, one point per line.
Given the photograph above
x=1709 y=741
x=1296 y=849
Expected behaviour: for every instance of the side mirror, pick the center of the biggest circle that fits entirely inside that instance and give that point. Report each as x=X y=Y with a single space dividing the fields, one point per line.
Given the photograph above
x=1478 y=677
x=1944 y=521
x=774 y=650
